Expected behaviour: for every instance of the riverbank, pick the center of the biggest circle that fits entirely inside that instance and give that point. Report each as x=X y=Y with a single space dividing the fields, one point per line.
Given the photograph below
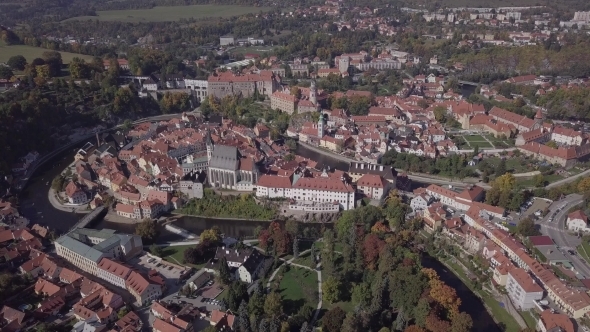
x=54 y=200
x=181 y=215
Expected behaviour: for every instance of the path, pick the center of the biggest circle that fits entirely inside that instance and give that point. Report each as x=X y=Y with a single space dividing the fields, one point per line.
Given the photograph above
x=492 y=144
x=317 y=270
x=568 y=180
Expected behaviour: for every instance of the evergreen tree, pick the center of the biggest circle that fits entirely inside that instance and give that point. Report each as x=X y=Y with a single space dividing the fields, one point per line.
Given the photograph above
x=224 y=273
x=296 y=248
x=501 y=170
x=264 y=326
x=304 y=327
x=312 y=255
x=243 y=320
x=275 y=325
x=400 y=321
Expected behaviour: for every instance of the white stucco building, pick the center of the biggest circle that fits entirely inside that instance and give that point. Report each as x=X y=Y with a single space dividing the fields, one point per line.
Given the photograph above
x=522 y=289
x=577 y=221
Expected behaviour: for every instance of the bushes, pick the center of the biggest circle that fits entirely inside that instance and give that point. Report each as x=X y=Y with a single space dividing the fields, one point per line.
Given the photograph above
x=243 y=206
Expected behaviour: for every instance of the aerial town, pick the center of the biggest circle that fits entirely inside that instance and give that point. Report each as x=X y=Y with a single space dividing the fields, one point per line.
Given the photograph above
x=400 y=184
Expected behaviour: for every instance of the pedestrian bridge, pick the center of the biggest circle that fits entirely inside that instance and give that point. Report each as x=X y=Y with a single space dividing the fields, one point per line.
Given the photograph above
x=90 y=217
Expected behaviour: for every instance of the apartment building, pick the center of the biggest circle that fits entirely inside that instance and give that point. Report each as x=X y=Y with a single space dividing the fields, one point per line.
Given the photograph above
x=113 y=272
x=142 y=289
x=522 y=289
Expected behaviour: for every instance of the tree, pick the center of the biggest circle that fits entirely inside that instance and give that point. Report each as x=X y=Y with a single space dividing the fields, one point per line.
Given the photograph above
x=17 y=62
x=156 y=250
x=462 y=322
x=414 y=328
x=372 y=246
x=296 y=248
x=292 y=227
x=224 y=273
x=243 y=320
x=212 y=235
x=54 y=62
x=296 y=92
x=332 y=320
x=501 y=170
x=273 y=306
x=584 y=185
x=122 y=312
x=539 y=180
x=440 y=114
x=552 y=144
x=5 y=73
x=526 y=227
x=332 y=289
x=361 y=295
x=148 y=230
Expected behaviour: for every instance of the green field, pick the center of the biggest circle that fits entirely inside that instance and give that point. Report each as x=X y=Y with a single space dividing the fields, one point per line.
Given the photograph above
x=260 y=50
x=31 y=52
x=298 y=287
x=172 y=13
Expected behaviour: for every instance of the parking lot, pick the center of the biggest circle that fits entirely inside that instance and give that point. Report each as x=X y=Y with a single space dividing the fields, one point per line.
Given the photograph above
x=172 y=273
x=535 y=207
x=201 y=298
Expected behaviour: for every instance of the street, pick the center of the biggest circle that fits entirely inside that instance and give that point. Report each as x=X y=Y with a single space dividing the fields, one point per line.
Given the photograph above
x=557 y=231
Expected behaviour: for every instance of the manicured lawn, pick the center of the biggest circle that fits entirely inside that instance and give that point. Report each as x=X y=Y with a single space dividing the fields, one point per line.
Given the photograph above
x=303 y=259
x=480 y=144
x=172 y=13
x=529 y=319
x=474 y=138
x=31 y=52
x=298 y=287
x=176 y=255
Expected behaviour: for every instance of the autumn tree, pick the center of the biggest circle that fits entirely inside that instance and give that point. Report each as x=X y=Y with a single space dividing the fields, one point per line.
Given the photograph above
x=462 y=322
x=295 y=92
x=372 y=246
x=276 y=237
x=435 y=324
x=148 y=230
x=212 y=235
x=584 y=185
x=332 y=289
x=174 y=102
x=273 y=306
x=332 y=320
x=539 y=180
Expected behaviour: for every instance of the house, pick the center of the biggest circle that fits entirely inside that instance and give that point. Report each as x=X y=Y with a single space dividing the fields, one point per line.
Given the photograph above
x=142 y=289
x=247 y=262
x=199 y=279
x=223 y=321
x=11 y=319
x=420 y=202
x=129 y=323
x=550 y=321
x=577 y=221
x=75 y=194
x=522 y=289
x=373 y=186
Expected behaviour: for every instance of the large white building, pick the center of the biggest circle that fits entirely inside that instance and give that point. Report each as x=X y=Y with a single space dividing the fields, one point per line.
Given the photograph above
x=522 y=289
x=85 y=248
x=198 y=86
x=113 y=272
x=228 y=170
x=322 y=189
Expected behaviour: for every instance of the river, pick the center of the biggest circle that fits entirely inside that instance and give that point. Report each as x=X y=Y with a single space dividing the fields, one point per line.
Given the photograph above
x=470 y=303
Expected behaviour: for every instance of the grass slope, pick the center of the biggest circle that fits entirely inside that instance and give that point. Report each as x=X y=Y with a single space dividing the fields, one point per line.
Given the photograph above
x=298 y=287
x=31 y=52
x=172 y=13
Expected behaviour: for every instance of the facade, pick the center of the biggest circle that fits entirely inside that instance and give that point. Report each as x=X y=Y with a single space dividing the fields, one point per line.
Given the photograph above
x=420 y=202
x=75 y=194
x=522 y=289
x=283 y=102
x=226 y=40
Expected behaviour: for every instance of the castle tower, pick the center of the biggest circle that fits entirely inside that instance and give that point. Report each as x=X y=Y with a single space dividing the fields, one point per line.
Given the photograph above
x=539 y=119
x=321 y=126
x=313 y=92
x=343 y=63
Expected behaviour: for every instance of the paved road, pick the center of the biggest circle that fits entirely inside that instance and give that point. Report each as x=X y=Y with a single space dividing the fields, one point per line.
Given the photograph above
x=557 y=231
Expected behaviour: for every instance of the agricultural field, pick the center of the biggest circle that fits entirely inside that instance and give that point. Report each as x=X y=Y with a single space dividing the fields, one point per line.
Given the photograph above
x=172 y=13
x=31 y=52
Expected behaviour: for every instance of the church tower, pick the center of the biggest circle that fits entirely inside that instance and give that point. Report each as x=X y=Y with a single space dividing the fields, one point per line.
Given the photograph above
x=321 y=126
x=209 y=143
